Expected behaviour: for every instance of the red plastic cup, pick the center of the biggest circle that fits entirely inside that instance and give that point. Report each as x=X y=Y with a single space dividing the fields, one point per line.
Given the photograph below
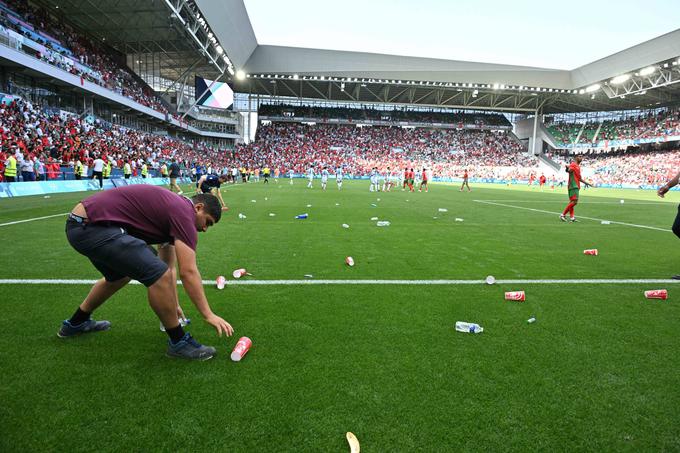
x=220 y=282
x=350 y=261
x=657 y=294
x=590 y=252
x=238 y=273
x=515 y=295
x=241 y=349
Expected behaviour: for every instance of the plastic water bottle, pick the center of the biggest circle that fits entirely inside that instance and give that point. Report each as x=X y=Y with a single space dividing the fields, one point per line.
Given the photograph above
x=468 y=327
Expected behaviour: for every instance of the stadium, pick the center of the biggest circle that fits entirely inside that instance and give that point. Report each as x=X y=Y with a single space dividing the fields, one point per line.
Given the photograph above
x=216 y=240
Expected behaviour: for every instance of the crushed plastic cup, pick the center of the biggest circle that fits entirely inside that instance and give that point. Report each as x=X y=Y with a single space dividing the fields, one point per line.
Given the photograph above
x=622 y=201
x=378 y=199
x=435 y=218
x=182 y=322
x=590 y=252
x=531 y=320
x=374 y=205
x=468 y=327
x=241 y=216
x=605 y=222
x=253 y=201
x=337 y=204
x=309 y=276
x=443 y=210
x=458 y=219
x=383 y=223
x=238 y=273
x=241 y=349
x=302 y=216
x=519 y=296
x=271 y=214
x=309 y=205
x=490 y=280
x=349 y=261
x=265 y=198
x=657 y=294
x=344 y=225
x=221 y=280
x=374 y=218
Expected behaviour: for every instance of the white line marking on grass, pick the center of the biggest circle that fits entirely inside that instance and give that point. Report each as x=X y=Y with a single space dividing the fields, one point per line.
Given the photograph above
x=579 y=217
x=588 y=281
x=31 y=220
x=584 y=202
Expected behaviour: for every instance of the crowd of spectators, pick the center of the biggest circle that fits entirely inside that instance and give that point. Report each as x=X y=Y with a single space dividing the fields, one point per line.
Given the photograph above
x=395 y=115
x=648 y=125
x=75 y=53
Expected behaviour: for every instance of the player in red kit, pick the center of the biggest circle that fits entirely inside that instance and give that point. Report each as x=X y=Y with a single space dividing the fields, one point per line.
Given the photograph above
x=465 y=181
x=541 y=181
x=423 y=182
x=574 y=186
x=403 y=186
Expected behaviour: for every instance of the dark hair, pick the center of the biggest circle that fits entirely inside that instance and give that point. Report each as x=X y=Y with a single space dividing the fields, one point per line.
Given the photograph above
x=211 y=205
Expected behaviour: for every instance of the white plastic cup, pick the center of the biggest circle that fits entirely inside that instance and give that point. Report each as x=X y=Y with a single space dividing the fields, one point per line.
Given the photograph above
x=490 y=280
x=350 y=261
x=238 y=273
x=221 y=282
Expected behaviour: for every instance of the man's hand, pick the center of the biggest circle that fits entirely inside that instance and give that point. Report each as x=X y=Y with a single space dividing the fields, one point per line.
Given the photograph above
x=662 y=190
x=220 y=325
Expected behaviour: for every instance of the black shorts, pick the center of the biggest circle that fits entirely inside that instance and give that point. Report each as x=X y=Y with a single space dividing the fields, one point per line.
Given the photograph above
x=115 y=253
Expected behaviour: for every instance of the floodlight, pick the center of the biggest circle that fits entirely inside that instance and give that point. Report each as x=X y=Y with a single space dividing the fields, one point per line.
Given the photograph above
x=648 y=70
x=240 y=74
x=620 y=79
x=593 y=87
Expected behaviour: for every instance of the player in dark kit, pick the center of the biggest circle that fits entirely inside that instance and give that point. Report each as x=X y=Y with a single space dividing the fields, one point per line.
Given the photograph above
x=211 y=184
x=114 y=230
x=574 y=186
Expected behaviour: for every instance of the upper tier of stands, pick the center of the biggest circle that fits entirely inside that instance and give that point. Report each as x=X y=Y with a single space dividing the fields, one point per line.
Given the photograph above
x=358 y=115
x=648 y=125
x=55 y=43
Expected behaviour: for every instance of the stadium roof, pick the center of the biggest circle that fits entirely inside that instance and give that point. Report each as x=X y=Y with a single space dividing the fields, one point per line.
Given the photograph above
x=207 y=38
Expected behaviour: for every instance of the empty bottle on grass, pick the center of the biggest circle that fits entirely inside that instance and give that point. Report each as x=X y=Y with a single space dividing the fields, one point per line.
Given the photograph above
x=468 y=327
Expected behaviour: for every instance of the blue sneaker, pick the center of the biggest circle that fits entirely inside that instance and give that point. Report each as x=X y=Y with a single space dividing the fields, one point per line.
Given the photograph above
x=68 y=330
x=188 y=348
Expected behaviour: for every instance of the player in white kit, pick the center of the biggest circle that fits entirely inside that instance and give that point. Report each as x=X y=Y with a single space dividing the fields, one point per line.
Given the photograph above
x=375 y=185
x=324 y=178
x=310 y=177
x=290 y=175
x=338 y=177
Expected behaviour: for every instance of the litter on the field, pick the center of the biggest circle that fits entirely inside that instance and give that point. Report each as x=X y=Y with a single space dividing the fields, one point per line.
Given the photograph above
x=309 y=205
x=220 y=281
x=657 y=294
x=519 y=296
x=468 y=327
x=241 y=349
x=531 y=320
x=490 y=280
x=378 y=199
x=238 y=273
x=344 y=225
x=443 y=210
x=374 y=205
x=605 y=222
x=271 y=214
x=46 y=196
x=265 y=198
x=253 y=201
x=309 y=276
x=593 y=252
x=353 y=442
x=337 y=204
x=241 y=216
x=435 y=218
x=383 y=223
x=622 y=201
x=349 y=261
x=182 y=322
x=458 y=219
x=302 y=216
x=374 y=218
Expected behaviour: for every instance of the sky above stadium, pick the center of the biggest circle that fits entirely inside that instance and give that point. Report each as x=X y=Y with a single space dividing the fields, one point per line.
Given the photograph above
x=547 y=34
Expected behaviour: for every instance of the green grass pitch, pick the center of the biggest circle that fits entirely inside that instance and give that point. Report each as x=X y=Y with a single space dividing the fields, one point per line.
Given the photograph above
x=598 y=371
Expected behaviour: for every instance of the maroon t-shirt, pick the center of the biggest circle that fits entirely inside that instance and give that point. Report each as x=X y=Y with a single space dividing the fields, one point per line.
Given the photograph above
x=150 y=213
